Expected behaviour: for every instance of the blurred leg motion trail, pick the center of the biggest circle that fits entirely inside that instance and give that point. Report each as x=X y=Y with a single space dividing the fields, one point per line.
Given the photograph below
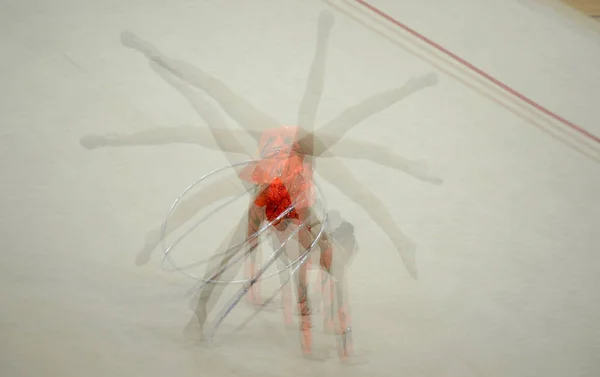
x=286 y=162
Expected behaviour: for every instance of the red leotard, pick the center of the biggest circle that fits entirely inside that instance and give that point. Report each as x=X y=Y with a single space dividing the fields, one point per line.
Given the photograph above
x=286 y=177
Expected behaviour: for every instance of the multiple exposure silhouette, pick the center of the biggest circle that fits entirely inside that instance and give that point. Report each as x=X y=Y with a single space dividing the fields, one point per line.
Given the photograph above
x=284 y=168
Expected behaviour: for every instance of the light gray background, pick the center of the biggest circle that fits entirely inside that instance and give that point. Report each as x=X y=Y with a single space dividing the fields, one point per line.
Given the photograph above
x=507 y=246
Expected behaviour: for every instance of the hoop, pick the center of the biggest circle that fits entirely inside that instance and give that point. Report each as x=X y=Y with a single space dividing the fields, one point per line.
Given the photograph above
x=168 y=249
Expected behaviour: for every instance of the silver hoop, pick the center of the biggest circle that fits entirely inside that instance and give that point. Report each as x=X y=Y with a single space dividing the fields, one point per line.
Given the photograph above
x=168 y=249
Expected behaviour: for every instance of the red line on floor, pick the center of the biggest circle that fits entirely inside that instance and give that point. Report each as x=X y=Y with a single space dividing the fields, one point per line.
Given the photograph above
x=478 y=71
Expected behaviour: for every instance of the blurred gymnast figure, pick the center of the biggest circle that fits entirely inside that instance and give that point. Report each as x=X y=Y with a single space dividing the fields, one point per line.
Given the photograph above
x=342 y=236
x=293 y=150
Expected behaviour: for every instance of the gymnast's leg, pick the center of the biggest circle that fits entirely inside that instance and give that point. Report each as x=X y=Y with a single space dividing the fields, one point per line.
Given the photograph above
x=314 y=87
x=306 y=237
x=333 y=285
x=202 y=137
x=228 y=140
x=286 y=292
x=339 y=126
x=210 y=293
x=247 y=115
x=256 y=216
x=326 y=262
x=376 y=153
x=305 y=240
x=337 y=174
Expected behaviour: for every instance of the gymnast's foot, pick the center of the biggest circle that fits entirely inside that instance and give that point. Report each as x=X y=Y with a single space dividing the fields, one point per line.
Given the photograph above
x=429 y=79
x=329 y=326
x=93 y=141
x=133 y=41
x=407 y=250
x=306 y=337
x=97 y=141
x=253 y=297
x=193 y=331
x=152 y=241
x=422 y=170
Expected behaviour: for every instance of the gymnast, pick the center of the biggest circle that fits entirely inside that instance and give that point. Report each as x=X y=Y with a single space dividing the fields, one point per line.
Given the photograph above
x=283 y=175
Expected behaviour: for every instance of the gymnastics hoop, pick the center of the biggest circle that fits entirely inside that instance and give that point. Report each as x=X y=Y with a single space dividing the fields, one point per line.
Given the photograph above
x=168 y=249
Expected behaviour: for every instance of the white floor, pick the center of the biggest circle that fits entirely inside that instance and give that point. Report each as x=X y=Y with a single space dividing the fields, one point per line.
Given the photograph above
x=507 y=246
